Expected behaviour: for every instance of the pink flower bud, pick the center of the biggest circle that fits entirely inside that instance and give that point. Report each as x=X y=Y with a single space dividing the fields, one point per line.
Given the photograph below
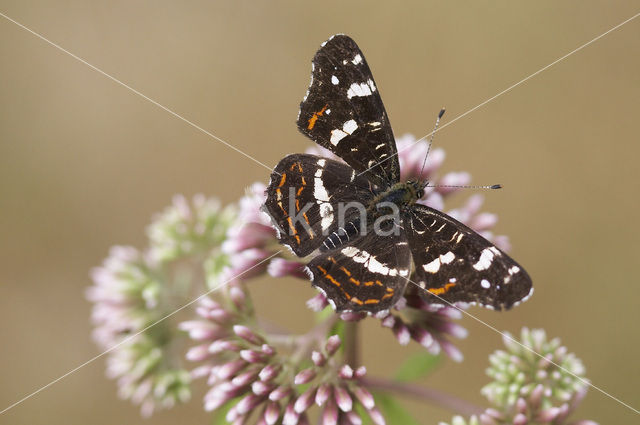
x=238 y=297
x=279 y=393
x=247 y=334
x=365 y=397
x=221 y=346
x=332 y=345
x=267 y=349
x=245 y=405
x=304 y=376
x=197 y=353
x=245 y=378
x=354 y=418
x=305 y=400
x=329 y=414
x=261 y=388
x=520 y=419
x=318 y=358
x=451 y=350
x=345 y=372
x=227 y=370
x=269 y=372
x=253 y=356
x=401 y=332
x=317 y=303
x=290 y=415
x=324 y=392
x=272 y=413
x=376 y=416
x=343 y=399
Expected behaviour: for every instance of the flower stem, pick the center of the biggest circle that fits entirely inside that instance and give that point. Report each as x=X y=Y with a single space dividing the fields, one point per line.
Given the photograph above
x=351 y=352
x=441 y=399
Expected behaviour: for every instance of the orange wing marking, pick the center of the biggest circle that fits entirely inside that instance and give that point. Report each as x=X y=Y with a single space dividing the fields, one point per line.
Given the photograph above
x=293 y=229
x=315 y=116
x=283 y=179
x=443 y=290
x=347 y=272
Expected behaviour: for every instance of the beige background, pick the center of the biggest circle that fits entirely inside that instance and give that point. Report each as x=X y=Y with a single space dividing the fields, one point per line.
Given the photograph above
x=84 y=163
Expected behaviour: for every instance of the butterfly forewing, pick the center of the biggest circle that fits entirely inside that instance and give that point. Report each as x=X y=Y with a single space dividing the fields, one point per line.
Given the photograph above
x=303 y=199
x=365 y=275
x=343 y=112
x=455 y=264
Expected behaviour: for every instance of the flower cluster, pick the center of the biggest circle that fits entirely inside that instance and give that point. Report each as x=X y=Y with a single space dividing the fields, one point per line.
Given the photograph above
x=271 y=378
x=535 y=381
x=197 y=246
x=134 y=290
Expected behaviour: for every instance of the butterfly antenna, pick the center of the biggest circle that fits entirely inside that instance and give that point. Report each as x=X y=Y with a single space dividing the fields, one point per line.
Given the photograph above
x=435 y=128
x=466 y=186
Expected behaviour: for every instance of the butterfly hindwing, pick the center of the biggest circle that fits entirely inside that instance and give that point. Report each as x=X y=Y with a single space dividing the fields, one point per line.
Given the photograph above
x=454 y=263
x=368 y=274
x=343 y=112
x=303 y=199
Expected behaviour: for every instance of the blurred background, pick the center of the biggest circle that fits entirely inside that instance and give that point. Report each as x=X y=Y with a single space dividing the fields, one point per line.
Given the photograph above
x=85 y=163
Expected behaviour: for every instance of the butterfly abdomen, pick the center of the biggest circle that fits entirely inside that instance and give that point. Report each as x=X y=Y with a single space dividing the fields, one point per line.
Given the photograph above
x=341 y=236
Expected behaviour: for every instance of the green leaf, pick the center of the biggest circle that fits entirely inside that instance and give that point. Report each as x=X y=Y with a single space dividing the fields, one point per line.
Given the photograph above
x=416 y=366
x=393 y=411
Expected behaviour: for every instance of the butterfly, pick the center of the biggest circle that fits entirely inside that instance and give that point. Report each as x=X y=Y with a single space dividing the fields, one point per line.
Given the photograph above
x=367 y=234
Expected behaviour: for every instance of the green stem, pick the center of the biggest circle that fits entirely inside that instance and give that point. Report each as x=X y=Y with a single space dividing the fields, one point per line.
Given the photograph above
x=448 y=401
x=350 y=344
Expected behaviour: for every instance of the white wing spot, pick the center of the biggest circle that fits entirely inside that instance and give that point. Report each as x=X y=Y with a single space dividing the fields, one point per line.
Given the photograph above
x=373 y=265
x=322 y=197
x=326 y=212
x=372 y=86
x=319 y=191
x=432 y=267
x=336 y=136
x=328 y=111
x=334 y=80
x=485 y=283
x=357 y=59
x=359 y=89
x=350 y=126
x=486 y=258
x=447 y=258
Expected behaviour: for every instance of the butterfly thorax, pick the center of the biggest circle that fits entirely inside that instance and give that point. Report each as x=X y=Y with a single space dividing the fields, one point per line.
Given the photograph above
x=402 y=194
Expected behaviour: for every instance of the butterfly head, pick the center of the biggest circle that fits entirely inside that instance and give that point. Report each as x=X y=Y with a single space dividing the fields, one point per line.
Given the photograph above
x=418 y=188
